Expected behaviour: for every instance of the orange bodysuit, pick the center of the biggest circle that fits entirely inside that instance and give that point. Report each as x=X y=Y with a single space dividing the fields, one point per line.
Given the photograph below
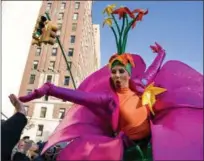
x=133 y=119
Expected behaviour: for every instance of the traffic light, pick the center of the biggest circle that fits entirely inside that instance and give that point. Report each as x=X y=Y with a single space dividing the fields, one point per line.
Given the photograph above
x=49 y=33
x=39 y=27
x=44 y=32
x=38 y=30
x=36 y=42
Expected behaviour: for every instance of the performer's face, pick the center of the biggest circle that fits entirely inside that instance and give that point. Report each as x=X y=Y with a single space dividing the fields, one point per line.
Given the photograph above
x=120 y=77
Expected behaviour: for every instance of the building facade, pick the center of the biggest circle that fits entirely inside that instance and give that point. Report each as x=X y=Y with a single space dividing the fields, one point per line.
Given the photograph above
x=46 y=63
x=96 y=28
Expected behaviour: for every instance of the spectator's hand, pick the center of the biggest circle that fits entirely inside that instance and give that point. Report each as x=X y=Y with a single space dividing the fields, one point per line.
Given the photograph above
x=17 y=104
x=27 y=146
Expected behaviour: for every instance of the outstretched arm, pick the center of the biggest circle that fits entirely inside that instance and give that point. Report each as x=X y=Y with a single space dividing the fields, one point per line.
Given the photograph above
x=75 y=96
x=155 y=66
x=151 y=72
x=12 y=128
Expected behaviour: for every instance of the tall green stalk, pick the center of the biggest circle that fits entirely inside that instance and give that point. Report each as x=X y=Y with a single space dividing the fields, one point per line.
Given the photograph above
x=114 y=32
x=113 y=17
x=126 y=34
x=126 y=24
x=120 y=35
x=116 y=38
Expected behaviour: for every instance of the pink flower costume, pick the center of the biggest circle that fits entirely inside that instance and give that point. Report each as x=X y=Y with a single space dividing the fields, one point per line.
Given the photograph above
x=91 y=125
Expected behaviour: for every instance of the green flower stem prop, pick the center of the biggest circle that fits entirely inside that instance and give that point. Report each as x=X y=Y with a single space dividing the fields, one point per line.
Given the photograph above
x=113 y=17
x=122 y=33
x=116 y=38
x=125 y=36
x=119 y=44
x=114 y=32
x=125 y=40
x=120 y=36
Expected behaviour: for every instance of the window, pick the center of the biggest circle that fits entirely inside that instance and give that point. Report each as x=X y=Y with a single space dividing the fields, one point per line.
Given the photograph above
x=75 y=16
x=71 y=52
x=54 y=51
x=59 y=26
x=52 y=65
x=40 y=130
x=43 y=112
x=66 y=80
x=26 y=109
x=61 y=113
x=32 y=79
x=72 y=39
x=70 y=65
x=74 y=26
x=49 y=78
x=48 y=6
x=61 y=15
x=63 y=5
x=38 y=51
x=77 y=5
x=35 y=64
x=28 y=91
x=46 y=97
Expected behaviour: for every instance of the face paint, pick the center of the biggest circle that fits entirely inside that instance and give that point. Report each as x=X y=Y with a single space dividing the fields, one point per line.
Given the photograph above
x=120 y=76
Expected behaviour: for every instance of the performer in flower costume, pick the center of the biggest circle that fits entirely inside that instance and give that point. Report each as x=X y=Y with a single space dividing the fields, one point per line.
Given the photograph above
x=122 y=111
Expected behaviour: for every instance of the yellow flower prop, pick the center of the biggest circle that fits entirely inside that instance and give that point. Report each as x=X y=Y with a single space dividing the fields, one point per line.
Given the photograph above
x=109 y=9
x=124 y=13
x=107 y=21
x=149 y=96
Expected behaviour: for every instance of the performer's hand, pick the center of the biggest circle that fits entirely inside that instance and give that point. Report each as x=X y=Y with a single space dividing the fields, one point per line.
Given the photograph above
x=144 y=82
x=37 y=93
x=140 y=84
x=17 y=104
x=157 y=48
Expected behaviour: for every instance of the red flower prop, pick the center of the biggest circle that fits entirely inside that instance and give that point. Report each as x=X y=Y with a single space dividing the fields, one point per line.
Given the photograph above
x=122 y=11
x=140 y=15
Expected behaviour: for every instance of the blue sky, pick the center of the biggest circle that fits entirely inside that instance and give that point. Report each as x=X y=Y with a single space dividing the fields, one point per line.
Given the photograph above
x=177 y=26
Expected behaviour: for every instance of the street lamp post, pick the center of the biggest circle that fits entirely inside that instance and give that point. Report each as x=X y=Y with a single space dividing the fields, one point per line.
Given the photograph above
x=63 y=53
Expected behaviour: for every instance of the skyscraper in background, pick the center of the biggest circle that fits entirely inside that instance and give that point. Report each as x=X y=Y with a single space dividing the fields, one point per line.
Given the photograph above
x=97 y=44
x=81 y=42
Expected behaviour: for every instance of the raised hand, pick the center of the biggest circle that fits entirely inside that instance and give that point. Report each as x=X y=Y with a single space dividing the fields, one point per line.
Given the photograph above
x=17 y=104
x=152 y=70
x=157 y=48
x=37 y=93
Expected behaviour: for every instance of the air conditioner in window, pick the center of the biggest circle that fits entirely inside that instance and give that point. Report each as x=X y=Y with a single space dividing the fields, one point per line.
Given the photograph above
x=56 y=71
x=51 y=68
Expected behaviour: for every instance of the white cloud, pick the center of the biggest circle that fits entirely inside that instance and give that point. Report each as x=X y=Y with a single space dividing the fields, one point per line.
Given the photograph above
x=18 y=20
